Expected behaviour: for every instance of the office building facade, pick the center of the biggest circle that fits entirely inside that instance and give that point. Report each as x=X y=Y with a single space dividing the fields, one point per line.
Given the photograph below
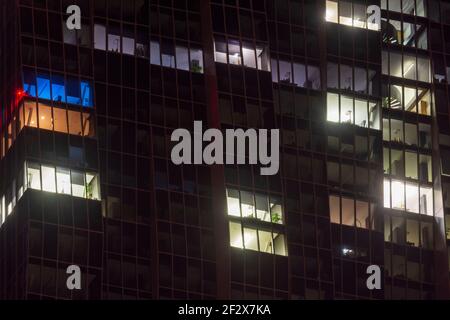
x=357 y=89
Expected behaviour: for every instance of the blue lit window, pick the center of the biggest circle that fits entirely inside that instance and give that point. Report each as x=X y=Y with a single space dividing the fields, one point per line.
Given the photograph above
x=71 y=90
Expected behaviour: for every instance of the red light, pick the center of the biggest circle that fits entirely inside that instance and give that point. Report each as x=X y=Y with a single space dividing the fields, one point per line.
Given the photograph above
x=20 y=93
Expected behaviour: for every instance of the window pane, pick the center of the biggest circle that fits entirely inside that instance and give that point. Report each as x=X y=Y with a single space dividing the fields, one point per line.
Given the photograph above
x=234 y=53
x=236 y=235
x=362 y=215
x=425 y=166
x=397 y=163
x=345 y=13
x=262 y=208
x=387 y=193
x=48 y=179
x=423 y=69
x=335 y=210
x=346 y=110
x=276 y=211
x=265 y=241
x=426 y=201
x=74 y=123
x=348 y=212
x=30 y=114
x=250 y=239
x=279 y=244
x=332 y=11
x=247 y=205
x=197 y=60
x=249 y=56
x=78 y=188
x=361 y=117
x=34 y=176
x=88 y=125
x=220 y=51
x=233 y=203
x=45 y=117
x=299 y=74
x=155 y=53
x=128 y=45
x=99 y=37
x=411 y=165
x=58 y=88
x=398 y=195
x=412 y=197
x=411 y=134
x=396 y=131
x=114 y=43
x=60 y=120
x=332 y=107
x=63 y=181
x=412 y=233
x=92 y=187
x=182 y=58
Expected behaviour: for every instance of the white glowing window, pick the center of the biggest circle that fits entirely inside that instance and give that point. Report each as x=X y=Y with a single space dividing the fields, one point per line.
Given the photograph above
x=182 y=58
x=412 y=197
x=279 y=244
x=63 y=181
x=78 y=184
x=276 y=211
x=247 y=205
x=361 y=115
x=92 y=187
x=233 y=203
x=265 y=242
x=249 y=56
x=236 y=235
x=426 y=200
x=48 y=179
x=398 y=195
x=332 y=11
x=234 y=53
x=333 y=107
x=250 y=239
x=34 y=176
x=347 y=114
x=345 y=13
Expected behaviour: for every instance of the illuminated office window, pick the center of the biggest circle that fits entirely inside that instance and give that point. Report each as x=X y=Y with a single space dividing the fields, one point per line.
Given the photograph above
x=246 y=54
x=62 y=181
x=256 y=239
x=346 y=109
x=408 y=196
x=245 y=209
x=34 y=176
x=71 y=90
x=349 y=14
x=350 y=212
x=48 y=179
x=406 y=66
x=410 y=7
x=248 y=205
x=405 y=34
